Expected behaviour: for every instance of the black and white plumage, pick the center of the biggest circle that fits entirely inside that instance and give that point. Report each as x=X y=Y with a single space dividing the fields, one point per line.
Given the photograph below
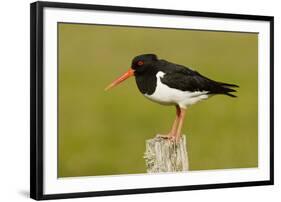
x=172 y=84
x=169 y=83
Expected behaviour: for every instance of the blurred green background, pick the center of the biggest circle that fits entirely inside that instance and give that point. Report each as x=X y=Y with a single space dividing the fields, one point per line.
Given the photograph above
x=104 y=133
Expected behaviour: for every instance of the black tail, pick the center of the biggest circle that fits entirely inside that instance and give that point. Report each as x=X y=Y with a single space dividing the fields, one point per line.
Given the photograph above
x=224 y=88
x=230 y=95
x=228 y=85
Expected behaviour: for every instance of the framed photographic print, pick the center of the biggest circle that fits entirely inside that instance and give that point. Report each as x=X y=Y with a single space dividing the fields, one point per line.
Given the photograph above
x=131 y=100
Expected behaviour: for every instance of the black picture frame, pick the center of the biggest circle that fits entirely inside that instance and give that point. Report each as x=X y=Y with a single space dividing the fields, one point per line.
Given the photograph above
x=37 y=101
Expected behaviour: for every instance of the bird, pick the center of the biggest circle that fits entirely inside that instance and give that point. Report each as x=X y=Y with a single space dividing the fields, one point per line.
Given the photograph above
x=168 y=83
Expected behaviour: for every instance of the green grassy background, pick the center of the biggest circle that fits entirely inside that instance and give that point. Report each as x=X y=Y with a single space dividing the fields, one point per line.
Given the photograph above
x=104 y=133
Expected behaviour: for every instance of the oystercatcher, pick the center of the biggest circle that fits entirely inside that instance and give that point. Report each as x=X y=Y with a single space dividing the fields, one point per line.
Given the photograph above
x=172 y=84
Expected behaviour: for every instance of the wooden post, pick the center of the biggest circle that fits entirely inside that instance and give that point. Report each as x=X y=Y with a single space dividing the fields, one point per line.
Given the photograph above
x=163 y=155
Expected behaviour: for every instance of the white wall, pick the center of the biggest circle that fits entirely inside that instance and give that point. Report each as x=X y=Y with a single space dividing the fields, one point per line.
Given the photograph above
x=14 y=100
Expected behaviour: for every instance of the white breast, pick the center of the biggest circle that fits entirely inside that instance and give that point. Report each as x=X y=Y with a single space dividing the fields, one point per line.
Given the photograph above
x=169 y=96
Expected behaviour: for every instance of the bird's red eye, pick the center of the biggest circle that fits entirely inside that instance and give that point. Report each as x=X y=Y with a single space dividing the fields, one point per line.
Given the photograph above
x=140 y=63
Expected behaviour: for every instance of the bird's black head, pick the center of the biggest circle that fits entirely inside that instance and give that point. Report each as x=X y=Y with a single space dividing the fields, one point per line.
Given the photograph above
x=141 y=63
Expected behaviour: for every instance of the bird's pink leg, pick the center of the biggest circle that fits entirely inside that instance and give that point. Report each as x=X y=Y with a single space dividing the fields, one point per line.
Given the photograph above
x=175 y=124
x=172 y=133
x=180 y=124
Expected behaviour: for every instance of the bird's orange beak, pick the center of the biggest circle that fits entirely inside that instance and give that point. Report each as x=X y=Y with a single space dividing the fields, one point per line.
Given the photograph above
x=127 y=74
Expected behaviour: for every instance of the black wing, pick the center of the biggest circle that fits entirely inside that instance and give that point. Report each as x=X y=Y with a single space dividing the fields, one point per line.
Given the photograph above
x=185 y=79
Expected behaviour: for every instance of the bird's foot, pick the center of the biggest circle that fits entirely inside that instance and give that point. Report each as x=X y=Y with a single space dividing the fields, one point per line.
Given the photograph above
x=172 y=138
x=167 y=136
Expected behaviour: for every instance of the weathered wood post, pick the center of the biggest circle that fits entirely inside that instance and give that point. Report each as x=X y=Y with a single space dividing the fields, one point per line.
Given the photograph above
x=164 y=155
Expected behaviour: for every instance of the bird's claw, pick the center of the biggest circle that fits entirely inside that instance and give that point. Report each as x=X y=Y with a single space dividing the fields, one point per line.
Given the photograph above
x=164 y=136
x=172 y=138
